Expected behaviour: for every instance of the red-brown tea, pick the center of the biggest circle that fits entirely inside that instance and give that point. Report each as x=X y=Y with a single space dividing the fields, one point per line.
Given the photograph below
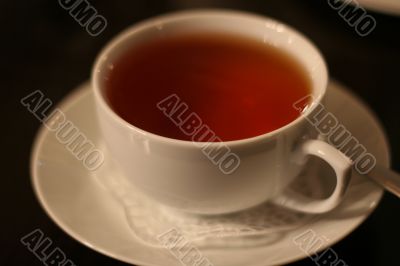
x=239 y=87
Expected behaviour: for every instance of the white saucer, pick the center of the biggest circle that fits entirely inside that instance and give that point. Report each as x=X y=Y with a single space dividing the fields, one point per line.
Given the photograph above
x=74 y=199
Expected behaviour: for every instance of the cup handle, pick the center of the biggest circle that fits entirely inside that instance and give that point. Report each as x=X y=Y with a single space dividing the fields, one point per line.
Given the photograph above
x=340 y=163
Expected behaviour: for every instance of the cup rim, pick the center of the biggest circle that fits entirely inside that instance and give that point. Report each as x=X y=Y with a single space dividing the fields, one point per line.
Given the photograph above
x=187 y=14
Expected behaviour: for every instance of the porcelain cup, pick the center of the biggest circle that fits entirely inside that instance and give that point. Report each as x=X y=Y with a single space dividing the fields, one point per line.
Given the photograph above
x=220 y=177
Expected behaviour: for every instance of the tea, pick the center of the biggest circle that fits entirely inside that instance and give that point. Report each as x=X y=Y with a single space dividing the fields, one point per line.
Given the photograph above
x=239 y=87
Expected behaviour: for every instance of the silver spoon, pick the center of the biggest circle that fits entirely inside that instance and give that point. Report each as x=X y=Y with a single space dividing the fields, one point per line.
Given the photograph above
x=386 y=178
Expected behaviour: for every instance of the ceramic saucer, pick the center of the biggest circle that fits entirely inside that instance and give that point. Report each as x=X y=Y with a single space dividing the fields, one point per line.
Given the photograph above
x=75 y=199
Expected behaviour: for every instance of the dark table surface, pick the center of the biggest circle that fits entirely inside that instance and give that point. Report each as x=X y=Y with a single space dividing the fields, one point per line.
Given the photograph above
x=44 y=48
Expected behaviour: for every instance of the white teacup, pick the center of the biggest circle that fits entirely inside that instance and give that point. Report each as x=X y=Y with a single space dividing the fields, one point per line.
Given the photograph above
x=178 y=174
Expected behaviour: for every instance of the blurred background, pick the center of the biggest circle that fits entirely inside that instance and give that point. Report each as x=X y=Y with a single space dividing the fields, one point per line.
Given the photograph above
x=44 y=48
